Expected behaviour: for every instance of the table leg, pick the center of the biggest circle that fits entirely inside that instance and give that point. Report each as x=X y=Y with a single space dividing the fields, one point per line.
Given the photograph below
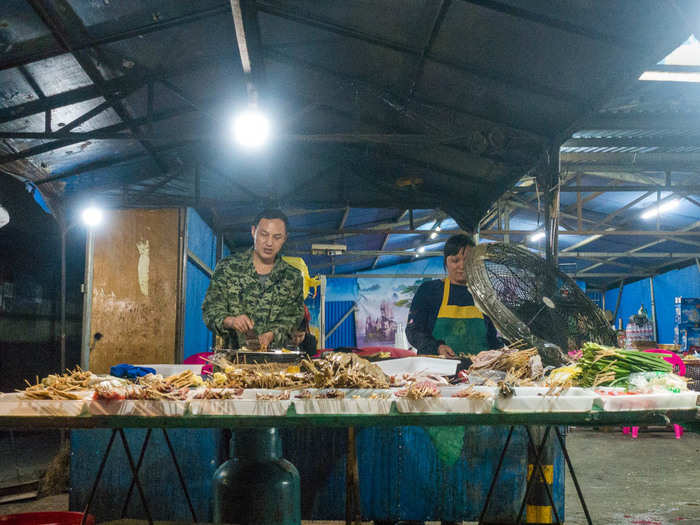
x=352 y=481
x=138 y=467
x=540 y=473
x=179 y=474
x=136 y=475
x=573 y=476
x=100 y=470
x=495 y=475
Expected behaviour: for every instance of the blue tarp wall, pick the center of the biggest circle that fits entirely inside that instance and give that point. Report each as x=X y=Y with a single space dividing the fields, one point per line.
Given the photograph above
x=201 y=241
x=667 y=286
x=344 y=290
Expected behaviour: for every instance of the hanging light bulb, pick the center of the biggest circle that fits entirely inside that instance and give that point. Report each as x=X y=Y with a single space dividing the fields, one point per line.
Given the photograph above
x=4 y=216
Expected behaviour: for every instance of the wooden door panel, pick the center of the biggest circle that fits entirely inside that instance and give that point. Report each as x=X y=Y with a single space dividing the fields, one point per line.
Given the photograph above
x=135 y=288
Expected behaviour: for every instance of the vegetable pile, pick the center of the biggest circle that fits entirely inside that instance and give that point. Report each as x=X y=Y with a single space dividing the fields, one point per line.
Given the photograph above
x=606 y=365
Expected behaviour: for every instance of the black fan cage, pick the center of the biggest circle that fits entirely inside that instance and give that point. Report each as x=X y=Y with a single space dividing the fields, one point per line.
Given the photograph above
x=510 y=285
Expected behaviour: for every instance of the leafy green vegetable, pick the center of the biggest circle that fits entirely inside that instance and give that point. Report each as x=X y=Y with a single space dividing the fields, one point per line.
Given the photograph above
x=606 y=365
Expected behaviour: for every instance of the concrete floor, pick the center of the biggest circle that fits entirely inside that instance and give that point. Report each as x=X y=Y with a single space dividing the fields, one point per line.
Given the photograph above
x=25 y=455
x=653 y=480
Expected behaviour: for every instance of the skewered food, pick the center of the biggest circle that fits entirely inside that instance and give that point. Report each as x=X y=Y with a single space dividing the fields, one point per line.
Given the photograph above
x=226 y=393
x=59 y=386
x=419 y=391
x=521 y=365
x=183 y=379
x=108 y=391
x=340 y=370
x=273 y=396
x=328 y=394
x=471 y=393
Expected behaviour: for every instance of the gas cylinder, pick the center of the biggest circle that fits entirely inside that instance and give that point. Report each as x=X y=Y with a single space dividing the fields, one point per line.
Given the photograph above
x=257 y=486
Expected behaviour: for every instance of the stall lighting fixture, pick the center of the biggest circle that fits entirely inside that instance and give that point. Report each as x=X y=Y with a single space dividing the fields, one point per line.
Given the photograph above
x=421 y=249
x=662 y=208
x=92 y=216
x=4 y=216
x=251 y=128
x=435 y=232
x=536 y=236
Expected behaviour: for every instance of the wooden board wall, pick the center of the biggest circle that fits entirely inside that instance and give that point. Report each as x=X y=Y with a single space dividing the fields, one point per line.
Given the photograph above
x=135 y=288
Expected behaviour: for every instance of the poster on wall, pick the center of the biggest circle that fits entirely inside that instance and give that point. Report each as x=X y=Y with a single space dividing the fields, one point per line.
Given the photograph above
x=382 y=309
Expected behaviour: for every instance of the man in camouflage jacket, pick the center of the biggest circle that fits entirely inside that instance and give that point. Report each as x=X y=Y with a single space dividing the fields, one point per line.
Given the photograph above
x=256 y=290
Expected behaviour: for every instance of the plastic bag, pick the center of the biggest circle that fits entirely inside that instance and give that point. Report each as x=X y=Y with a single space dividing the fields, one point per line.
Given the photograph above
x=485 y=377
x=652 y=382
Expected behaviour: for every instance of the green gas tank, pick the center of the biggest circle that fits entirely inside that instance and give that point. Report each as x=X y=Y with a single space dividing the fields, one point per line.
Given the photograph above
x=257 y=486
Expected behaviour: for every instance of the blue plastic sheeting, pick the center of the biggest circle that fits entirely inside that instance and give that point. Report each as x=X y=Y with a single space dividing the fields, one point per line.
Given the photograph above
x=197 y=452
x=677 y=283
x=198 y=338
x=341 y=289
x=344 y=335
x=402 y=478
x=346 y=289
x=429 y=265
x=201 y=240
x=38 y=197
x=633 y=296
x=595 y=296
x=667 y=286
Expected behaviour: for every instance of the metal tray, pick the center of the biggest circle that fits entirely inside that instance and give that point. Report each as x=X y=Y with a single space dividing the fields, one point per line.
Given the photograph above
x=271 y=356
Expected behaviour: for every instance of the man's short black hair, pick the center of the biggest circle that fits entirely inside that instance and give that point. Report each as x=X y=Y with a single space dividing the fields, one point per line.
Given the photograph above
x=303 y=325
x=272 y=213
x=456 y=243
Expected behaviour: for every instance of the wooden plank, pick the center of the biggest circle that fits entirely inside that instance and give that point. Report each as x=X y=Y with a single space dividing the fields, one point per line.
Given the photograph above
x=135 y=289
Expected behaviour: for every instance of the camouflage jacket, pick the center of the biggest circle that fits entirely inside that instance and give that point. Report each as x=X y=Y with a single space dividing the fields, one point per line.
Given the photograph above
x=235 y=289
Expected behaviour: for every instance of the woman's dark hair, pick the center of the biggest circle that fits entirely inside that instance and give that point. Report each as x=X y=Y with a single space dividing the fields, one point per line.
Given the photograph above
x=272 y=213
x=455 y=244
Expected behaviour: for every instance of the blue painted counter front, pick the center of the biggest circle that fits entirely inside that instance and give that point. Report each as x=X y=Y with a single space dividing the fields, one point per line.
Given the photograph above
x=401 y=476
x=199 y=455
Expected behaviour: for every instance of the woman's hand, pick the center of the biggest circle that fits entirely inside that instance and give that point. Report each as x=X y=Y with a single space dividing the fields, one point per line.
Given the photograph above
x=446 y=351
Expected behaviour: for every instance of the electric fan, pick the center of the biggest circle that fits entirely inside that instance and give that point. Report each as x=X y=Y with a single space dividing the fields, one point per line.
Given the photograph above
x=530 y=300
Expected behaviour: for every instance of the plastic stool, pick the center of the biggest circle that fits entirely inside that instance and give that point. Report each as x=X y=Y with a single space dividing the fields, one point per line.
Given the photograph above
x=679 y=368
x=677 y=430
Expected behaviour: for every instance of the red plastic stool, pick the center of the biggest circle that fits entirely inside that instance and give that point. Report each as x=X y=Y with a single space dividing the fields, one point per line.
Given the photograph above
x=679 y=368
x=46 y=518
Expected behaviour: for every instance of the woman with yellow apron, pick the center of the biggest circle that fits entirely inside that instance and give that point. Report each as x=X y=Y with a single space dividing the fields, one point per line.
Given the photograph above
x=443 y=319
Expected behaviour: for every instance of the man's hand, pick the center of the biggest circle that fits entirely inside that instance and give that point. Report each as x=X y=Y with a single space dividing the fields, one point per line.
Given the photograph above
x=265 y=339
x=446 y=351
x=240 y=323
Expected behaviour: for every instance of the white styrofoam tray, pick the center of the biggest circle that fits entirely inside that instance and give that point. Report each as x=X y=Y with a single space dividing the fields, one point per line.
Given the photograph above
x=12 y=404
x=412 y=365
x=533 y=399
x=247 y=405
x=356 y=401
x=137 y=407
x=169 y=369
x=658 y=401
x=448 y=404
